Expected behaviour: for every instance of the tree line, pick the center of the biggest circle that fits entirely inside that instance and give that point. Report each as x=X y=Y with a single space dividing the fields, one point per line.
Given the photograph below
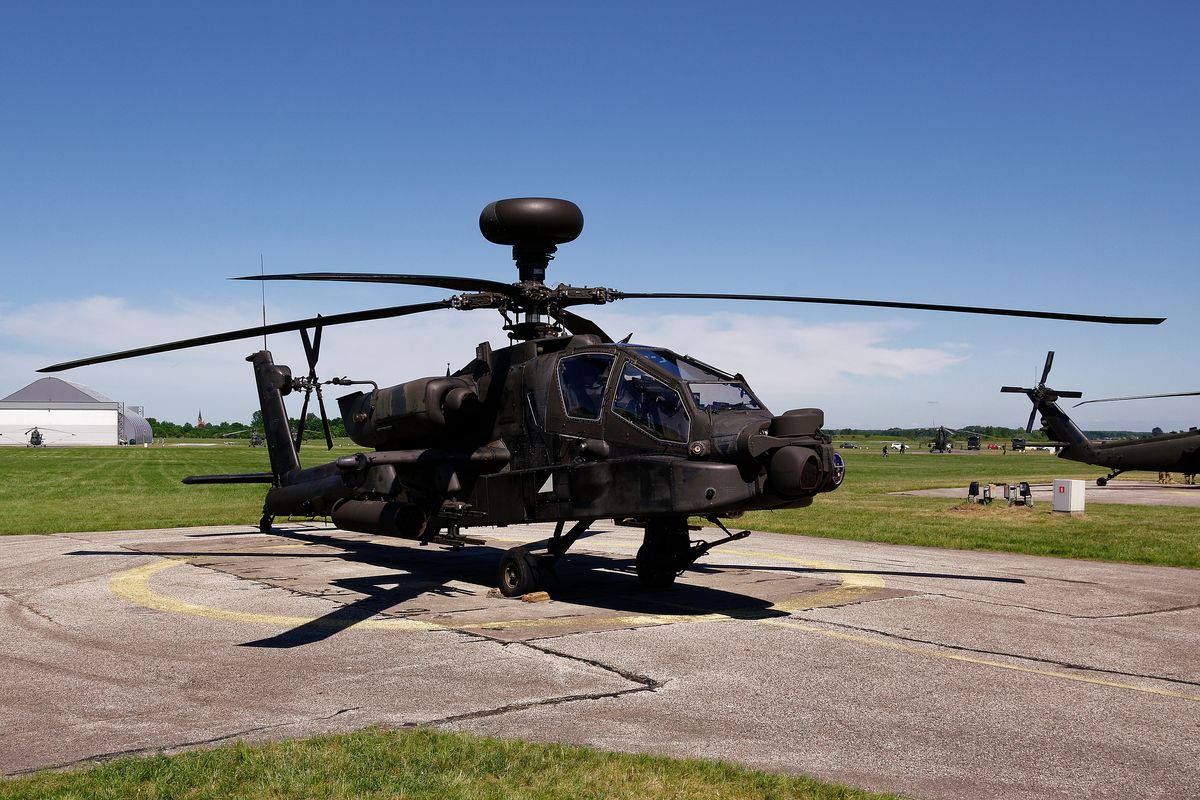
x=996 y=432
x=163 y=429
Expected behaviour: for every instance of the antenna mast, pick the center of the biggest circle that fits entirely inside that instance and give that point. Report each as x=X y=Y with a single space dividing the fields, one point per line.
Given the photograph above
x=262 y=270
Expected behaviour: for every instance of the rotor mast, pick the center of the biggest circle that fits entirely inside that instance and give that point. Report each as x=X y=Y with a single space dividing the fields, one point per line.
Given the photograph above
x=534 y=227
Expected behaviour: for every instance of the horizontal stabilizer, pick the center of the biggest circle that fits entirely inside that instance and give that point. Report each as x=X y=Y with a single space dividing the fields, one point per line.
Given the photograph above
x=243 y=477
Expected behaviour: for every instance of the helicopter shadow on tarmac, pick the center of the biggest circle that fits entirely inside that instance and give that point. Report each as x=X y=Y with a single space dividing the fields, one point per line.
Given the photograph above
x=591 y=582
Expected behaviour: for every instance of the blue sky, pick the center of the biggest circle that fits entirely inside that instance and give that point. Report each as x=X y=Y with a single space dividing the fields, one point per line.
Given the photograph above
x=1013 y=154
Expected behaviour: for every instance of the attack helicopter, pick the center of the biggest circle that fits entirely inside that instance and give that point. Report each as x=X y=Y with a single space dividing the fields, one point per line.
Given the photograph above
x=1172 y=452
x=563 y=425
x=942 y=443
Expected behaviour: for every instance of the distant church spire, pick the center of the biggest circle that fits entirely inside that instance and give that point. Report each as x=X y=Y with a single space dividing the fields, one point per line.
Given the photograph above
x=200 y=423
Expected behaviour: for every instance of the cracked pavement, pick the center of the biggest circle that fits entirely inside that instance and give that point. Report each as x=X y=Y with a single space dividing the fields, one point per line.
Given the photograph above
x=931 y=673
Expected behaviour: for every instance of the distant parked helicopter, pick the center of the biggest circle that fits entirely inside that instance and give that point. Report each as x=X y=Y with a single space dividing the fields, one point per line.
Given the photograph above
x=256 y=439
x=942 y=443
x=564 y=425
x=1172 y=452
x=37 y=436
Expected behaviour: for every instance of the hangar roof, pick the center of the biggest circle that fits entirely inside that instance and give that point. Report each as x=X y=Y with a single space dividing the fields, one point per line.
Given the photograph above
x=56 y=390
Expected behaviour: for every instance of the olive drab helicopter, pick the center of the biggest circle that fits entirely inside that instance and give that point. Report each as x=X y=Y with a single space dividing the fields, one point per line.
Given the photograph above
x=564 y=425
x=1172 y=452
x=942 y=444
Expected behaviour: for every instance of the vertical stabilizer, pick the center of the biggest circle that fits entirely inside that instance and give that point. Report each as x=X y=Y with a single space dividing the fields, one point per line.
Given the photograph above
x=1058 y=426
x=274 y=381
x=1055 y=422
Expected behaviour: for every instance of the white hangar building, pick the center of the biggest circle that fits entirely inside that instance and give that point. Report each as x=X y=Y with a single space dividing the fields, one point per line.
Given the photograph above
x=69 y=415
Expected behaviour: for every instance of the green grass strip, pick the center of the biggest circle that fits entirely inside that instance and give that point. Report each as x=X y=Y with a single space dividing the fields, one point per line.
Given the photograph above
x=417 y=764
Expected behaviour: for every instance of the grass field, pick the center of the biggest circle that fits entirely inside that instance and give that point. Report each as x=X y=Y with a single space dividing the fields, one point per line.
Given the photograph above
x=863 y=510
x=57 y=490
x=416 y=764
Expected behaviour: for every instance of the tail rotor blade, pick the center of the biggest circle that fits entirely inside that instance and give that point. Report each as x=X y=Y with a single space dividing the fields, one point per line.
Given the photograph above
x=1029 y=425
x=303 y=417
x=324 y=419
x=1046 y=370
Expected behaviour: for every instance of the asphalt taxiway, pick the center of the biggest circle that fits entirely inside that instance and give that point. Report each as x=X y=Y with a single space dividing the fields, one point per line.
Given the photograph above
x=931 y=673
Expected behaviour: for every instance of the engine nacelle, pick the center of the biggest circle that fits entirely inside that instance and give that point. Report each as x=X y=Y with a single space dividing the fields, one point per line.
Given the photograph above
x=417 y=413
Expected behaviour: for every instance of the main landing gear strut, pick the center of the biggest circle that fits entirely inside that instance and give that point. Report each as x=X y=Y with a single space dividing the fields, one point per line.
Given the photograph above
x=666 y=551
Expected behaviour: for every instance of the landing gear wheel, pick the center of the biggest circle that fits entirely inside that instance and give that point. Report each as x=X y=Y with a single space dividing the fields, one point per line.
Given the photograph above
x=519 y=572
x=663 y=554
x=655 y=567
x=264 y=524
x=1102 y=481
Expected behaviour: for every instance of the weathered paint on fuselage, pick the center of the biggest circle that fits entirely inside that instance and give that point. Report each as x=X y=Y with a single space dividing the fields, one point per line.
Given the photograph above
x=561 y=466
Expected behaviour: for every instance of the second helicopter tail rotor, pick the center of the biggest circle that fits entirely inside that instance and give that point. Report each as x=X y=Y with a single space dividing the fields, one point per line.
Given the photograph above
x=1041 y=393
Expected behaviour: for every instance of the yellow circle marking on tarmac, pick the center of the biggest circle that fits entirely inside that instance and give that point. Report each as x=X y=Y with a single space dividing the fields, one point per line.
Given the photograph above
x=133 y=585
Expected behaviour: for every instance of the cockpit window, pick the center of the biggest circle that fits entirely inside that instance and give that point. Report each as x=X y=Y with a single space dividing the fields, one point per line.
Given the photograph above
x=651 y=405
x=731 y=396
x=711 y=389
x=680 y=366
x=583 y=379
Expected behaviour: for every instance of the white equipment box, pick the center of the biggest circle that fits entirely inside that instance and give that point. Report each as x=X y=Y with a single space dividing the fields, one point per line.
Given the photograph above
x=1068 y=495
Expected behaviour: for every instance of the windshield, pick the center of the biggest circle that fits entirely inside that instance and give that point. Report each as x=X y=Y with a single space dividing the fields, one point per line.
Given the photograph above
x=723 y=396
x=680 y=366
x=651 y=404
x=711 y=389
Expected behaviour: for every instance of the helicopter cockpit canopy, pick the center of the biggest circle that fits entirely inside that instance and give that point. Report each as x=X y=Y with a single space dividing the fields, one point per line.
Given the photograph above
x=710 y=388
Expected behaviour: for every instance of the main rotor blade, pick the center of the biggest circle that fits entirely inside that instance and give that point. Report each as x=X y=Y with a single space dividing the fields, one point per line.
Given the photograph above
x=251 y=333
x=837 y=301
x=1136 y=397
x=457 y=283
x=1046 y=369
x=581 y=325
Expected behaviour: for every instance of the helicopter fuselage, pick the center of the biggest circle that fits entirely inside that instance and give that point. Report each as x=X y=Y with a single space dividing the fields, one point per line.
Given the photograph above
x=565 y=428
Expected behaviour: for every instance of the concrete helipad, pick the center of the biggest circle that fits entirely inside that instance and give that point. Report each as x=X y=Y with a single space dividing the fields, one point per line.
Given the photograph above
x=926 y=672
